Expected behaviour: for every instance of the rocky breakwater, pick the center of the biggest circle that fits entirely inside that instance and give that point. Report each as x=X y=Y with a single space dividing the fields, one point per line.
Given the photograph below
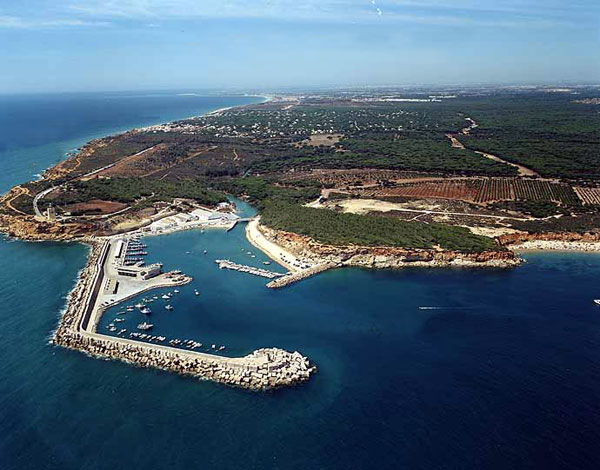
x=309 y=249
x=261 y=370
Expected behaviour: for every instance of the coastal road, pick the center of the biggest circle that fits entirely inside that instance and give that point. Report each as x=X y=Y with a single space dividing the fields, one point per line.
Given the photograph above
x=39 y=196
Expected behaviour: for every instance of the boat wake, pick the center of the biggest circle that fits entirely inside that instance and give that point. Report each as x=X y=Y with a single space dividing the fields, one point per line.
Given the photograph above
x=446 y=308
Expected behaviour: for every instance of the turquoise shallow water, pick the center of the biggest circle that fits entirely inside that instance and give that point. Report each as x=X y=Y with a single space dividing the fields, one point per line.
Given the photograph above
x=504 y=372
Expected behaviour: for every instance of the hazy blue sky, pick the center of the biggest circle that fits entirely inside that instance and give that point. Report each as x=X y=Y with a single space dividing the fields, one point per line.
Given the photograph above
x=60 y=45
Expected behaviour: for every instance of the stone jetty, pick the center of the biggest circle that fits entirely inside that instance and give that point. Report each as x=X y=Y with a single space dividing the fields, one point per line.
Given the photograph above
x=263 y=369
x=299 y=275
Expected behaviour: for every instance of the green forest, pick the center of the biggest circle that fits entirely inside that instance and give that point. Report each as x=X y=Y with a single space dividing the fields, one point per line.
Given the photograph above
x=335 y=228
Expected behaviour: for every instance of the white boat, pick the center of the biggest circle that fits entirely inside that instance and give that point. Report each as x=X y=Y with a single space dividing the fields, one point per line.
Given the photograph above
x=176 y=291
x=597 y=301
x=205 y=251
x=144 y=326
x=146 y=311
x=130 y=308
x=169 y=307
x=267 y=263
x=139 y=305
x=196 y=292
x=165 y=296
x=119 y=320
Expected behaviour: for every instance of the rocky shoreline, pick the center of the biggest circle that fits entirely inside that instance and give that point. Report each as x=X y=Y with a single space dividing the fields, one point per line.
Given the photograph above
x=264 y=369
x=383 y=257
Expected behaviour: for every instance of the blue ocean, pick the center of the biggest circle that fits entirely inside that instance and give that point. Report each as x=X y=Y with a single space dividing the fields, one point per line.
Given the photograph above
x=418 y=368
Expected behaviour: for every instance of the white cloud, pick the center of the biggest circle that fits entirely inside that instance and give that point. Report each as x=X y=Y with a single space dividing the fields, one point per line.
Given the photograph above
x=15 y=22
x=486 y=13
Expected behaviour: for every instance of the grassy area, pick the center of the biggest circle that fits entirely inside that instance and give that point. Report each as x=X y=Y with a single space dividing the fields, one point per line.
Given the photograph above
x=336 y=228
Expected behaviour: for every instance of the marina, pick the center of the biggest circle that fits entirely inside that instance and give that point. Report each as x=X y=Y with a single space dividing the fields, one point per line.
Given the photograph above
x=262 y=369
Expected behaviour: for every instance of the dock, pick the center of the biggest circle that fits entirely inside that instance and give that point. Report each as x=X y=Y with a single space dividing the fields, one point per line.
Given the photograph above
x=227 y=264
x=296 y=276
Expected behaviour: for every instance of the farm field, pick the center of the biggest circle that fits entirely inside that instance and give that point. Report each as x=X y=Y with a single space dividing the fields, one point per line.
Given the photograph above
x=485 y=190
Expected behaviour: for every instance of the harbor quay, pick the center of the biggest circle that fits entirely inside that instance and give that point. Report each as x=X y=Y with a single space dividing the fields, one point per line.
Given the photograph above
x=100 y=286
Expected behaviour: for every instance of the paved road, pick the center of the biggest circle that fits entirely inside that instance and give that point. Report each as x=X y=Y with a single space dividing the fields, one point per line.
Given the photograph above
x=39 y=196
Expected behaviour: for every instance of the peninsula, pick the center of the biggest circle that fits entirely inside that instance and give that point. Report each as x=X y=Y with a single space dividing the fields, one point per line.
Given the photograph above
x=370 y=179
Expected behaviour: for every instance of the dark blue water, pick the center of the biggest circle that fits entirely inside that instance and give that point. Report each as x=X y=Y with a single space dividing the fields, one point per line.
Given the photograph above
x=503 y=373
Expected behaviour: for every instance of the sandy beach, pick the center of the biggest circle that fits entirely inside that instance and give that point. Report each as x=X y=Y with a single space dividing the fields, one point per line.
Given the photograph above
x=273 y=251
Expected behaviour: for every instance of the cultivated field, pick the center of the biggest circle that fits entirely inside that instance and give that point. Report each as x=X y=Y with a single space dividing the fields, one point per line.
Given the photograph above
x=485 y=190
x=590 y=196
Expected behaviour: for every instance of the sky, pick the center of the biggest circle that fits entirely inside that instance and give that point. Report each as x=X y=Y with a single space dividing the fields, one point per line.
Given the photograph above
x=96 y=45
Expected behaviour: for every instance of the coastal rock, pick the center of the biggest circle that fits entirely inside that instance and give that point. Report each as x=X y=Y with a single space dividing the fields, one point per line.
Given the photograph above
x=522 y=237
x=309 y=249
x=28 y=228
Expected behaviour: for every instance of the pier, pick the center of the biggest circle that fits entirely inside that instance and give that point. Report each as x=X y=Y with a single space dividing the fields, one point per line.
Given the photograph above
x=226 y=264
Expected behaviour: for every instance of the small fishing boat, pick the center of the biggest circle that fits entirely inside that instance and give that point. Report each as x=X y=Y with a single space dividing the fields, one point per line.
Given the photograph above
x=144 y=326
x=146 y=311
x=205 y=251
x=165 y=296
x=169 y=307
x=130 y=308
x=597 y=301
x=267 y=263
x=119 y=320
x=139 y=305
x=176 y=291
x=196 y=292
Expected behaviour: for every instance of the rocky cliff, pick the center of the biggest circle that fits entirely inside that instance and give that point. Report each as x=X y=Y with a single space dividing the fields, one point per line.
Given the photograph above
x=28 y=228
x=384 y=256
x=522 y=237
